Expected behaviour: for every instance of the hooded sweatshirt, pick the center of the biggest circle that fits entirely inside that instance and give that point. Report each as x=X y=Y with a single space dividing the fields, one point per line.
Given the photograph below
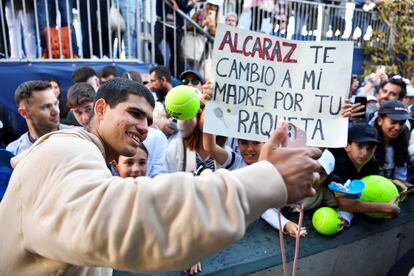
x=65 y=214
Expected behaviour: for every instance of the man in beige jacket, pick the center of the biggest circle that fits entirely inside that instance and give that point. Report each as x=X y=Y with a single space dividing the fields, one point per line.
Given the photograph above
x=65 y=214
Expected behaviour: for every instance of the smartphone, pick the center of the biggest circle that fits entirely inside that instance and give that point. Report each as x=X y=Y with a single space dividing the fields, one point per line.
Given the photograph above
x=296 y=137
x=212 y=14
x=363 y=101
x=174 y=124
x=381 y=69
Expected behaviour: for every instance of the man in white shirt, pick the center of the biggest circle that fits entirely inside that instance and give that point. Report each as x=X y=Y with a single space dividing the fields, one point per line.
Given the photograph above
x=38 y=105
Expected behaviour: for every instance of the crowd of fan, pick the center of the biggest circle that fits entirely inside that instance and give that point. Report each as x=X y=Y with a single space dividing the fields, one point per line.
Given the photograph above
x=381 y=142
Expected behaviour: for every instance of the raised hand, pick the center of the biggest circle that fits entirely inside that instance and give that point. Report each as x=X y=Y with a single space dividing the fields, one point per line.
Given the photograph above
x=298 y=166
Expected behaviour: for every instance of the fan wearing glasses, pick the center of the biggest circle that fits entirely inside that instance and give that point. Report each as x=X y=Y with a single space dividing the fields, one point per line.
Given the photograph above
x=192 y=78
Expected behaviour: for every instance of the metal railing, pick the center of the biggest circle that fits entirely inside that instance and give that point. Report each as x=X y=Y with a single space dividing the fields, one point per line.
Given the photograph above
x=313 y=20
x=114 y=30
x=81 y=29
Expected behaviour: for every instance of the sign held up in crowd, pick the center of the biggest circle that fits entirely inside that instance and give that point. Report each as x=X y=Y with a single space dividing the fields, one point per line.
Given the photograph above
x=259 y=80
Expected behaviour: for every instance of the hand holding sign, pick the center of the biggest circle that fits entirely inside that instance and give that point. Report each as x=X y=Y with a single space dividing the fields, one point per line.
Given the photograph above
x=260 y=80
x=297 y=166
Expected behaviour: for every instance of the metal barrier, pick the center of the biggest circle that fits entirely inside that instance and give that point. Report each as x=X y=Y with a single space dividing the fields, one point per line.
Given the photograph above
x=312 y=20
x=77 y=29
x=113 y=30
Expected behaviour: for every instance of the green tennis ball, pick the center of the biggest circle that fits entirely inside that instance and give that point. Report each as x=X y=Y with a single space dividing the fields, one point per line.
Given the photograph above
x=182 y=102
x=378 y=189
x=326 y=221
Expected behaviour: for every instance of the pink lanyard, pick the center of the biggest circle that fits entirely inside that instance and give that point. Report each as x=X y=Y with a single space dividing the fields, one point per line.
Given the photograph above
x=282 y=241
x=298 y=140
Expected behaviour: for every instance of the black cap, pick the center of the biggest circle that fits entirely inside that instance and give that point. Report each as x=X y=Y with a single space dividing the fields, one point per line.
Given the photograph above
x=396 y=110
x=363 y=134
x=191 y=72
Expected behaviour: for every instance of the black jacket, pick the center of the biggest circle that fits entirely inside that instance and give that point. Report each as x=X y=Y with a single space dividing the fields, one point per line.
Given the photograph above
x=184 y=5
x=344 y=169
x=7 y=132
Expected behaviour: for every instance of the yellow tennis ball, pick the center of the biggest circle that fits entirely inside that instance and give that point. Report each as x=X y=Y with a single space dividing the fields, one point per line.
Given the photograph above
x=182 y=102
x=378 y=189
x=326 y=221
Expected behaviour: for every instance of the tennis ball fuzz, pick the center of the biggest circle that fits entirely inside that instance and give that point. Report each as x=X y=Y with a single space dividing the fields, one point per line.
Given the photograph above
x=378 y=189
x=326 y=221
x=182 y=102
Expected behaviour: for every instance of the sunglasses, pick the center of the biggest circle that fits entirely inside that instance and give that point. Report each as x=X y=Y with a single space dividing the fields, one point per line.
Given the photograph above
x=193 y=81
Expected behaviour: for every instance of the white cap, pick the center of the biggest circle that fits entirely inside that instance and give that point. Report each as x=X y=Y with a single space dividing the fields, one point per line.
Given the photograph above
x=410 y=91
x=372 y=98
x=231 y=14
x=327 y=161
x=215 y=2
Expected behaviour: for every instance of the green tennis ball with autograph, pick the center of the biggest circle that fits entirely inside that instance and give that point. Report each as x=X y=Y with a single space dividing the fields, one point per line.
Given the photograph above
x=326 y=221
x=182 y=102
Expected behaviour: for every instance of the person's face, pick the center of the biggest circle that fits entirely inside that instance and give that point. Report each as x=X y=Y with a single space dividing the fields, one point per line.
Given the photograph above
x=355 y=84
x=55 y=88
x=213 y=7
x=123 y=127
x=157 y=84
x=249 y=150
x=360 y=154
x=41 y=111
x=390 y=92
x=193 y=81
x=371 y=106
x=390 y=128
x=83 y=113
x=133 y=166
x=408 y=100
x=231 y=20
x=187 y=127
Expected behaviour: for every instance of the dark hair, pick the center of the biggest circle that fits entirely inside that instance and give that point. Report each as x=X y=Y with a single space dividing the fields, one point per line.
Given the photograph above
x=133 y=75
x=61 y=98
x=109 y=70
x=400 y=82
x=80 y=93
x=50 y=79
x=161 y=71
x=143 y=147
x=25 y=90
x=194 y=140
x=117 y=91
x=399 y=145
x=82 y=74
x=140 y=146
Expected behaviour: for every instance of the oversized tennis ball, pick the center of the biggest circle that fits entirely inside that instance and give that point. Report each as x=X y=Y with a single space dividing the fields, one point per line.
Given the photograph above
x=182 y=102
x=378 y=189
x=326 y=221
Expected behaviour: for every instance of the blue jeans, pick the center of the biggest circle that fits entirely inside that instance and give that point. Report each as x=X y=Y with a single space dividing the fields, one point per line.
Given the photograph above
x=50 y=7
x=128 y=10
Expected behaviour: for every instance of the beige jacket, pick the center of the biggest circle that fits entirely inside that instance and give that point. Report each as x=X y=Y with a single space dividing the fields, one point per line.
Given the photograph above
x=65 y=214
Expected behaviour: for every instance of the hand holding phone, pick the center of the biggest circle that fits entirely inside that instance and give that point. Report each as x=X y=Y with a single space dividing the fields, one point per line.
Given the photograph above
x=363 y=101
x=212 y=15
x=296 y=137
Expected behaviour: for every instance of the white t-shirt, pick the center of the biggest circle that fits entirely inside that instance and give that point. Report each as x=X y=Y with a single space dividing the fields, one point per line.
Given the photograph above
x=389 y=170
x=156 y=144
x=25 y=141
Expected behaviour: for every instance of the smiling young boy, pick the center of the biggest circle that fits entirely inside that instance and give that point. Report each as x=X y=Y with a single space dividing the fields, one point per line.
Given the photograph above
x=80 y=101
x=356 y=161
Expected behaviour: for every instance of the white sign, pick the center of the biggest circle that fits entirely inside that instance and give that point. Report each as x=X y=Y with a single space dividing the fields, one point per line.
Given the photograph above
x=260 y=80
